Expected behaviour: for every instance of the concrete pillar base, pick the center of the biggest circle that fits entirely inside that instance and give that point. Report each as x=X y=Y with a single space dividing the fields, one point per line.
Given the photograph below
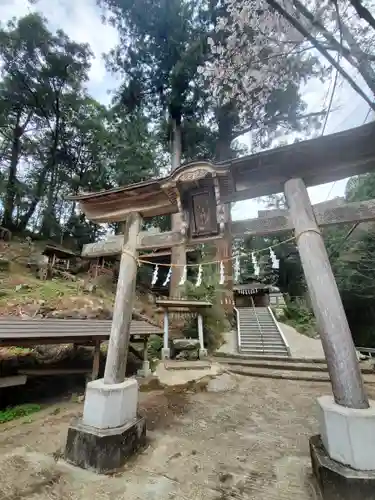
x=145 y=370
x=104 y=450
x=203 y=353
x=165 y=353
x=110 y=405
x=110 y=430
x=348 y=434
x=336 y=481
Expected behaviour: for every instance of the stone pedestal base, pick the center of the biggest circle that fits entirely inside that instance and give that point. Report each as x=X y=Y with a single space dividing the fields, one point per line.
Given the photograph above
x=348 y=434
x=145 y=370
x=203 y=353
x=110 y=430
x=337 y=481
x=110 y=405
x=104 y=450
x=165 y=353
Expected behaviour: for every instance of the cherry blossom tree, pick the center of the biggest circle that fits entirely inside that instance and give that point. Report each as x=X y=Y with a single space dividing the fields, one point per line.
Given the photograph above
x=260 y=47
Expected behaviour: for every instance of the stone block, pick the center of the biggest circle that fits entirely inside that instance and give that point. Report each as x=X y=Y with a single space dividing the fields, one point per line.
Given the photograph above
x=165 y=353
x=104 y=450
x=110 y=405
x=145 y=371
x=185 y=344
x=348 y=434
x=203 y=353
x=336 y=481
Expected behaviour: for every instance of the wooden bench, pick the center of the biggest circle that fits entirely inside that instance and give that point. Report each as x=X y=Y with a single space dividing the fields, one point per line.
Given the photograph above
x=31 y=332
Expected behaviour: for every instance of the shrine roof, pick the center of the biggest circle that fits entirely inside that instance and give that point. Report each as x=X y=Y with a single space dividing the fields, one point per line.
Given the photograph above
x=150 y=198
x=316 y=161
x=154 y=185
x=59 y=251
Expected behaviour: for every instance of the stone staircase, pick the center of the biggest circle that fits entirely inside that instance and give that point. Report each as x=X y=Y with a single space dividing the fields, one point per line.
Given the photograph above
x=259 y=333
x=281 y=367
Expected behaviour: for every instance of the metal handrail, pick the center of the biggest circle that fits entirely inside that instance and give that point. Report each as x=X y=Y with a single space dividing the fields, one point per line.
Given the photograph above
x=260 y=328
x=238 y=327
x=370 y=351
x=279 y=330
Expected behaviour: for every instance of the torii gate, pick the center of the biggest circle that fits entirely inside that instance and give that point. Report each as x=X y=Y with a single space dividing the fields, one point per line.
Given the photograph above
x=199 y=191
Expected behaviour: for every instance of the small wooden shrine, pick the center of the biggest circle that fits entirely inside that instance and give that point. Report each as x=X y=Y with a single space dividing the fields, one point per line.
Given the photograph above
x=249 y=294
x=59 y=257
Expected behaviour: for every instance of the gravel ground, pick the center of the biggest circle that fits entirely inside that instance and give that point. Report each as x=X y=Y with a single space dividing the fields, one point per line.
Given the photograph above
x=248 y=439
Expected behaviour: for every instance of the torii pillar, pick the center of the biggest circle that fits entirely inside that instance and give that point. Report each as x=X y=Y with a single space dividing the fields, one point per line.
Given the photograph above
x=111 y=430
x=343 y=455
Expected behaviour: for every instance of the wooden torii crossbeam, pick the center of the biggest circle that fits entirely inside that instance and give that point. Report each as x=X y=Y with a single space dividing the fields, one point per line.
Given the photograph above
x=276 y=221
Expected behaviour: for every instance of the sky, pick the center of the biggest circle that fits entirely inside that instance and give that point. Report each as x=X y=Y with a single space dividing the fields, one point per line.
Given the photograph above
x=81 y=20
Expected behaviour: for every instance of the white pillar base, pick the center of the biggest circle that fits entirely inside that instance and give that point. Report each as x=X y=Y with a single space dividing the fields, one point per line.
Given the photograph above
x=145 y=370
x=203 y=353
x=165 y=353
x=110 y=405
x=348 y=434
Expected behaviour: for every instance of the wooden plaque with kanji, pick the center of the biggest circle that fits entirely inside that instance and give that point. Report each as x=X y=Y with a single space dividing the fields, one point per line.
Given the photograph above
x=203 y=213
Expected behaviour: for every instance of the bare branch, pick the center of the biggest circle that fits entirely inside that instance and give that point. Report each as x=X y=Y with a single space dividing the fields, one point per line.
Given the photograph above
x=363 y=12
x=298 y=26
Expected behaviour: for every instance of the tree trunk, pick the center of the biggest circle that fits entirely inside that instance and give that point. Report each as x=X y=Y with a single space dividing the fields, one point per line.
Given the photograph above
x=50 y=167
x=11 y=188
x=226 y=119
x=37 y=197
x=48 y=214
x=178 y=256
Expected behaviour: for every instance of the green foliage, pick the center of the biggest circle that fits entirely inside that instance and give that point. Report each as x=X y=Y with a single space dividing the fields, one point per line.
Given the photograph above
x=154 y=347
x=298 y=314
x=18 y=412
x=215 y=322
x=55 y=139
x=243 y=247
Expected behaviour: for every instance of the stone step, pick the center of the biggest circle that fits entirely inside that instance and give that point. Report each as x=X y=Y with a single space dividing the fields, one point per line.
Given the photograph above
x=258 y=343
x=245 y=328
x=288 y=374
x=257 y=332
x=259 y=338
x=252 y=318
x=285 y=365
x=265 y=317
x=245 y=357
x=261 y=344
x=266 y=350
x=258 y=335
x=269 y=353
x=255 y=323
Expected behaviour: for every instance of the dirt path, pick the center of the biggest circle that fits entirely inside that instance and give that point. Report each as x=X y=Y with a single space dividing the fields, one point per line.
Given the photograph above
x=247 y=443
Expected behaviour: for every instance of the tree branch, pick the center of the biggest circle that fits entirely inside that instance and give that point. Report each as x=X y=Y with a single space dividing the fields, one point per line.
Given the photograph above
x=363 y=12
x=275 y=121
x=298 y=26
x=334 y=44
